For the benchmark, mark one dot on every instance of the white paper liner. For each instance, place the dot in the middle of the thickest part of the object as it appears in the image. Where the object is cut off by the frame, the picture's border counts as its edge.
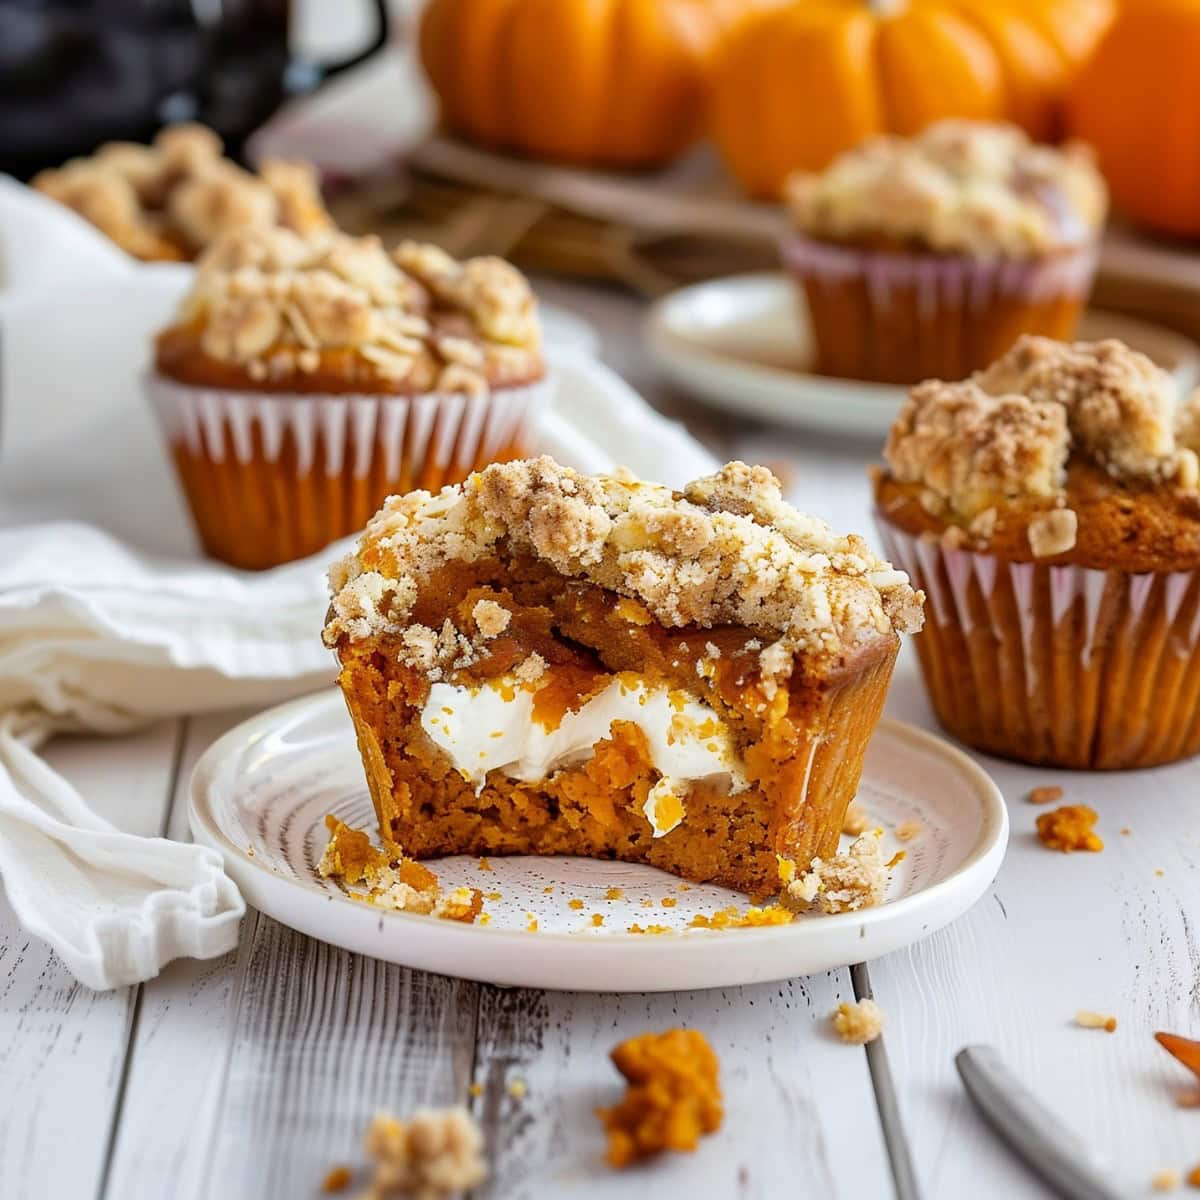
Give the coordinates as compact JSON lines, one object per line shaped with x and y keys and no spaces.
{"x":440,"y":429}
{"x":944,"y":280}
{"x":1136,"y":636}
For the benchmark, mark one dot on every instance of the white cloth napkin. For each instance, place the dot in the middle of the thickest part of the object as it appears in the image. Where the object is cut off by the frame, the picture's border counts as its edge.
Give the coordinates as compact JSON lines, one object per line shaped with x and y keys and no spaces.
{"x":109,"y":617}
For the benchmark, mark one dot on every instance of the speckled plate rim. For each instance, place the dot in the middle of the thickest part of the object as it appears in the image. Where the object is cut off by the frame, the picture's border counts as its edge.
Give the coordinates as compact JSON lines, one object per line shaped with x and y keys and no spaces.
{"x":619,"y":961}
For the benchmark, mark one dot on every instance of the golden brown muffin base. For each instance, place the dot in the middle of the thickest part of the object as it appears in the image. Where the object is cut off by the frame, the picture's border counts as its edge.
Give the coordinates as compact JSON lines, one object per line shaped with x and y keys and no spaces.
{"x":915,"y":331}
{"x":804,"y":766}
{"x":1032,"y":669}
{"x":261,"y":513}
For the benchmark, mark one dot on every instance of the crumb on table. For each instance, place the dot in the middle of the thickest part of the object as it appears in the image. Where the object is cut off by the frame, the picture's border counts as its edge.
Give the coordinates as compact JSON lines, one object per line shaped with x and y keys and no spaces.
{"x":1069,"y":828}
{"x":435,"y":1153}
{"x":1045,"y":795}
{"x":337,"y":1180}
{"x":672,"y":1099}
{"x":1165,"y":1181}
{"x":858,"y":1023}
{"x":1086,"y":1019}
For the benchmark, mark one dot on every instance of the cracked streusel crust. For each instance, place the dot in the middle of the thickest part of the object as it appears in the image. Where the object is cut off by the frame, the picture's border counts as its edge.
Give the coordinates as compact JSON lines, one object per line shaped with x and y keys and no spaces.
{"x":333,"y":314}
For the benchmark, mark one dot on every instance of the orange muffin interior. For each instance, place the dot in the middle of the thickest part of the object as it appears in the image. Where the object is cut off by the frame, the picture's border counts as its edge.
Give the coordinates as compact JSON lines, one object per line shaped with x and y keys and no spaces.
{"x":779,"y":730}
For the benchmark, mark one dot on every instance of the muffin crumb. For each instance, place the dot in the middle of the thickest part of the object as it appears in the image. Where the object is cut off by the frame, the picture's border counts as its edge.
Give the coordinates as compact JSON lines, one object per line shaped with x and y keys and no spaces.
{"x":337,"y":1179}
{"x":673,"y":1096}
{"x":1166,"y":1181}
{"x":435,"y":1153}
{"x":858,"y":1023}
{"x":856,"y":822}
{"x":1086,"y":1019}
{"x":906,"y":831}
{"x":1047,"y":794}
{"x":847,"y":882}
{"x":1069,"y":828}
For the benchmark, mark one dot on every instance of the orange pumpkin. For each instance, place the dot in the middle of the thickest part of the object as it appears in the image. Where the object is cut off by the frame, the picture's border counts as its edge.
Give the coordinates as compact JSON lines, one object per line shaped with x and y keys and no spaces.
{"x":798,"y":85}
{"x":620,"y":83}
{"x":1138,"y":102}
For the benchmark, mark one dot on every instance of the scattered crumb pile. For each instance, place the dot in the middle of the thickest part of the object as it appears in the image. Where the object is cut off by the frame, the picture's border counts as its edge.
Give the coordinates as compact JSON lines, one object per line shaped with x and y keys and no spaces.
{"x":673,"y":1096}
{"x":389,"y":879}
{"x":1069,"y":828}
{"x":434,"y":1154}
{"x":858,"y":1023}
{"x":1045,"y":795}
{"x":752,"y":918}
{"x":847,"y":882}
{"x":1086,"y":1019}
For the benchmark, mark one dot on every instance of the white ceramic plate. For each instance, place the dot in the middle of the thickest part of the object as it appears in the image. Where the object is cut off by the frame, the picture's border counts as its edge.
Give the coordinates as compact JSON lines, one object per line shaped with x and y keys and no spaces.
{"x":260,"y":794}
{"x":744,"y":344}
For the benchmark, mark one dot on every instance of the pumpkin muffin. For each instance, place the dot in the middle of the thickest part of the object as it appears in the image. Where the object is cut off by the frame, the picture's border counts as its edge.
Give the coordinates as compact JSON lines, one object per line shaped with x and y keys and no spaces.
{"x":929,"y":256}
{"x":306,"y":379}
{"x":1049,"y":507}
{"x":541,"y":662}
{"x":170,"y":200}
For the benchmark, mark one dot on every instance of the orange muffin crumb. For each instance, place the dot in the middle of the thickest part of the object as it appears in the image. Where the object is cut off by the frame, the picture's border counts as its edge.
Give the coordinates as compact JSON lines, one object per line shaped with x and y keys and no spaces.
{"x":752,"y":918}
{"x":1069,"y":828}
{"x":1165,"y":1181}
{"x":1193,"y":1177}
{"x":614,"y":893}
{"x":636,"y":928}
{"x":575,"y":903}
{"x":1045,"y":795}
{"x":389,"y":880}
{"x":1094,"y":1020}
{"x":597,"y":919}
{"x":673,"y":1098}
{"x":337,"y":1180}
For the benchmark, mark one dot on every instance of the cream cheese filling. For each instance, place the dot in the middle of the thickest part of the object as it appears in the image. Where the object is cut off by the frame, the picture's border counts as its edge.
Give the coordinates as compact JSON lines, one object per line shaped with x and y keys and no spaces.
{"x":490,"y":727}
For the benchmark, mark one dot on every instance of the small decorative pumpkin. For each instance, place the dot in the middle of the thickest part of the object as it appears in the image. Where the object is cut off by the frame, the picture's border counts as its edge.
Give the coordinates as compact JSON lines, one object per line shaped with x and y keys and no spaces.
{"x":617,"y":83}
{"x":1138,"y":102}
{"x":796,"y":86}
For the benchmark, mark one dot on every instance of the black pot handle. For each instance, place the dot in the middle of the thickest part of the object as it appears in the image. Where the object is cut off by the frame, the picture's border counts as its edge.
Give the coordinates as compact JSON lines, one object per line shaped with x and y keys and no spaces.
{"x":328,"y":70}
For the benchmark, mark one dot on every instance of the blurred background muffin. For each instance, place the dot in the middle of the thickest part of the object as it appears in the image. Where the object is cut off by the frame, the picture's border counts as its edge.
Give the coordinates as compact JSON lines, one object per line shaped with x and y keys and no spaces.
{"x":1049,"y":508}
{"x":306,"y":379}
{"x":171,"y":199}
{"x":929,"y":256}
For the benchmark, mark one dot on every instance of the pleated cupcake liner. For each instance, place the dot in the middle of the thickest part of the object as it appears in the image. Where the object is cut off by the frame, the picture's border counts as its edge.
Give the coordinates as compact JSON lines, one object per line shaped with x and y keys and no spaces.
{"x":273,"y":477}
{"x":899,"y":317}
{"x":1057,"y":665}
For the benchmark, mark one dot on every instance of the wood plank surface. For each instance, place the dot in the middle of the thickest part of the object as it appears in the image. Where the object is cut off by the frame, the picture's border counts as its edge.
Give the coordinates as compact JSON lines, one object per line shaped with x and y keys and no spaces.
{"x":62,"y":1046}
{"x":800,"y":1111}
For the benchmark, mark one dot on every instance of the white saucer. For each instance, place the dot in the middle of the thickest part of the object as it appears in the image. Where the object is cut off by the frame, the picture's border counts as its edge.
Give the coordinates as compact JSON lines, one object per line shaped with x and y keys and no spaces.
{"x":260,"y":794}
{"x":743,"y":344}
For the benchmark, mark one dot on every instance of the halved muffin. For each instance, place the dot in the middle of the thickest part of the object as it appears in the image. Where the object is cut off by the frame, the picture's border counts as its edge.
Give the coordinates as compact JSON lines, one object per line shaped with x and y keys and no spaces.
{"x":541,"y":662}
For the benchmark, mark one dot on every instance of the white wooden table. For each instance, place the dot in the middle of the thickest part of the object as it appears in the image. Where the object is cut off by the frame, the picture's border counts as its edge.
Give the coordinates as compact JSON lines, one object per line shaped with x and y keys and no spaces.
{"x":252,"y":1075}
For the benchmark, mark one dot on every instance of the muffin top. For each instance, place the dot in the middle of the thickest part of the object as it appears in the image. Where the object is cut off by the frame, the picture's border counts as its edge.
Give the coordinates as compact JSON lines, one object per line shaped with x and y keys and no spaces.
{"x":272,"y":311}
{"x":171,"y":199}
{"x":727,"y":550}
{"x":959,"y":186}
{"x":1071,"y":452}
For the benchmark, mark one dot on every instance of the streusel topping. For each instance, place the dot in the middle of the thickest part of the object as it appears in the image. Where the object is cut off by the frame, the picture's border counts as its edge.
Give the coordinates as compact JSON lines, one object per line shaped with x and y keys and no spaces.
{"x":727,"y":550}
{"x":171,"y":199}
{"x":274,"y":302}
{"x":958,"y":186}
{"x":1009,"y":431}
